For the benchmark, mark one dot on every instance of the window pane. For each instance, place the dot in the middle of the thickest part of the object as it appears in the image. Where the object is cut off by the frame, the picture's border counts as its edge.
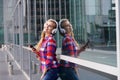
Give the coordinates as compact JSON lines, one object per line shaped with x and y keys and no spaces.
{"x":95,"y":20}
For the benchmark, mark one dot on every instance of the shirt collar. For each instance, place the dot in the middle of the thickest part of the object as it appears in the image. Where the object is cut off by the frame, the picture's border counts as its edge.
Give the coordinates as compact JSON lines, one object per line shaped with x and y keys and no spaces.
{"x":66,"y":35}
{"x":48,"y":36}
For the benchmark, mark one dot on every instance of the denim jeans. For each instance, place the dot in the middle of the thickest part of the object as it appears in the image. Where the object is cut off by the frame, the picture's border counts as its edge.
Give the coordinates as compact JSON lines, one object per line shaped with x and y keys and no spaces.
{"x":51,"y":74}
{"x":67,"y":74}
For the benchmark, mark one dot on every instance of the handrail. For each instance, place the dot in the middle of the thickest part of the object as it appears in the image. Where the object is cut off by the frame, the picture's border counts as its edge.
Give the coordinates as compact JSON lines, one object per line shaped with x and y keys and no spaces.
{"x":85,"y":63}
{"x":92,"y":65}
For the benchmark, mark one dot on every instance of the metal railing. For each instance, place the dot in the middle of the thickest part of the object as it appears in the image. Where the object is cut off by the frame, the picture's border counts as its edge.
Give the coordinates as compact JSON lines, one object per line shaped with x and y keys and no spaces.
{"x":25,"y":60}
{"x":29,"y":65}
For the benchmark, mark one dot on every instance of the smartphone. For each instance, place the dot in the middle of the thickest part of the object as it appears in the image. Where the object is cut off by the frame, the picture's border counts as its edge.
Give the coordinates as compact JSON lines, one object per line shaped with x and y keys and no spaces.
{"x":37,"y":53}
{"x":31,"y":46}
{"x":86,"y":44}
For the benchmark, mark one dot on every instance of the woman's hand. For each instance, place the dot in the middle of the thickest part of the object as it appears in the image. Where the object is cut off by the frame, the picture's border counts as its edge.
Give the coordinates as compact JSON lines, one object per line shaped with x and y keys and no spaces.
{"x":81,"y":49}
{"x":35,"y":51}
{"x":43,"y":74}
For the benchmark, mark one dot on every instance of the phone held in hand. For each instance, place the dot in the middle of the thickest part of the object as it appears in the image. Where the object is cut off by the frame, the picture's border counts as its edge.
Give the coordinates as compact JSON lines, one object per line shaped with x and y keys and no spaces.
{"x":31,"y":46}
{"x":86,"y":44}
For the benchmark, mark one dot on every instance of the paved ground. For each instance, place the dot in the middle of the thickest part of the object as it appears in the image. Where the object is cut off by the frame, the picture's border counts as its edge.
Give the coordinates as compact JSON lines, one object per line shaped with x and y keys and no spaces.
{"x":4,"y":74}
{"x":17,"y":74}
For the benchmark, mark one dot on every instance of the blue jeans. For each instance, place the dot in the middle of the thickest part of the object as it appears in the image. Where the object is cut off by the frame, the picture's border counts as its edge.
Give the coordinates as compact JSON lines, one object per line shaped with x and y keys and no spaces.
{"x":51,"y":74}
{"x":67,"y":74}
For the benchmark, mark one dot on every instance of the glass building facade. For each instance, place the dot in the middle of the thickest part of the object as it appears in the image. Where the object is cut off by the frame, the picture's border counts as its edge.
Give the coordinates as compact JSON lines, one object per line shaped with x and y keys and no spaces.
{"x":91,"y":19}
{"x":1,"y":24}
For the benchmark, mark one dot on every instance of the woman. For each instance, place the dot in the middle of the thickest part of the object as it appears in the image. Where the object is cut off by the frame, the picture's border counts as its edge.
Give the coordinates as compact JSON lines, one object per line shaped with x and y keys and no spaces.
{"x":45,"y":50}
{"x":69,"y":47}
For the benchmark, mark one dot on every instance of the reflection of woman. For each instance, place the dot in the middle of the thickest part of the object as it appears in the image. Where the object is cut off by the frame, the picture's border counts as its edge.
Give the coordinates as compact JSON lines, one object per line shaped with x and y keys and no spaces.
{"x":46,"y":49}
{"x":69,"y":47}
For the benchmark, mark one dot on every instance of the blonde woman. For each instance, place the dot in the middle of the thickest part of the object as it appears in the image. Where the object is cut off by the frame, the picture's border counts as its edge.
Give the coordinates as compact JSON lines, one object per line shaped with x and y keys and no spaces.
{"x":46,"y":49}
{"x":69,"y":47}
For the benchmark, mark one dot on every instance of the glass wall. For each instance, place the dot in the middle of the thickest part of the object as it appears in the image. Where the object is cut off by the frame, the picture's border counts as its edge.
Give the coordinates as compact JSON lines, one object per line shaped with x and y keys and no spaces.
{"x":1,"y":23}
{"x":91,"y":19}
{"x":95,"y":20}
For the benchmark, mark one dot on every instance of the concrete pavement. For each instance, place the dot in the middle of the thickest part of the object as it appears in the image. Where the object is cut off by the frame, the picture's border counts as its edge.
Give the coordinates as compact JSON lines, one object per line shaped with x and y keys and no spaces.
{"x":4,"y":73}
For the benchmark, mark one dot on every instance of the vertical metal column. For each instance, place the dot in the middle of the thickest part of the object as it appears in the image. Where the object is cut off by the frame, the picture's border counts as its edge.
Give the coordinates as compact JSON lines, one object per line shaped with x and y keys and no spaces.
{"x":60,"y":9}
{"x":13,"y":27}
{"x":54,"y":10}
{"x":28,"y":20}
{"x":46,"y":10}
{"x":24,"y":8}
{"x":35,"y":19}
{"x":58,"y":36}
{"x":50,"y":9}
{"x":65,"y":8}
{"x":70,"y":10}
{"x":75,"y":15}
{"x":30,"y":67}
{"x":16,"y":22}
{"x":20,"y":32}
{"x":117,"y":3}
{"x":40,"y":3}
{"x":5,"y":21}
{"x":84,"y":30}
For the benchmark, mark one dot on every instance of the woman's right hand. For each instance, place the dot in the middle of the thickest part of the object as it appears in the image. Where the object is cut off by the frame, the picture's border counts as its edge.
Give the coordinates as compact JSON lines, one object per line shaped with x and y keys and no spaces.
{"x":81,"y":49}
{"x":35,"y":51}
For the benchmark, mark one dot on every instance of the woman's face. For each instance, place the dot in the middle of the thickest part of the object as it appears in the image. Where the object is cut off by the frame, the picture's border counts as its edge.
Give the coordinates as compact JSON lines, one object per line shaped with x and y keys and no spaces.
{"x":48,"y":27}
{"x":67,"y":26}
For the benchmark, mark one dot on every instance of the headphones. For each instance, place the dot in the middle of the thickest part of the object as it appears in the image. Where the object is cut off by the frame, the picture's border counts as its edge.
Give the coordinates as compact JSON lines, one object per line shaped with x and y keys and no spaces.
{"x":62,"y":30}
{"x":54,"y":30}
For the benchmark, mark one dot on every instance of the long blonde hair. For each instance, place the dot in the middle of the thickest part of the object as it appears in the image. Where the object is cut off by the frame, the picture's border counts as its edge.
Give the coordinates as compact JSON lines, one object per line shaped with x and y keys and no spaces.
{"x":43,"y":35}
{"x":40,"y":41}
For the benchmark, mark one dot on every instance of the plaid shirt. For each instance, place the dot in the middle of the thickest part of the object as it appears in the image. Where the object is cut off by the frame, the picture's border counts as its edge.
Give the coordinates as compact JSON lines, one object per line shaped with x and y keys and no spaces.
{"x":47,"y":53}
{"x":69,"y":48}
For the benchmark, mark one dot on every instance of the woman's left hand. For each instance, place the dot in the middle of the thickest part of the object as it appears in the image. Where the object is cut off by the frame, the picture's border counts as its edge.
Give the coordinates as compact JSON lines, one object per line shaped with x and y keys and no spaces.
{"x":81,"y":49}
{"x":43,"y":74}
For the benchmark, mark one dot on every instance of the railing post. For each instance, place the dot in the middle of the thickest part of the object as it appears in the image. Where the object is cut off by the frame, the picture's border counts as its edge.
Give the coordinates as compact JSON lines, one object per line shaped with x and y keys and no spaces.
{"x":37,"y":68}
{"x":10,"y":68}
{"x":30,"y":66}
{"x":34,"y":67}
{"x":7,"y":58}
